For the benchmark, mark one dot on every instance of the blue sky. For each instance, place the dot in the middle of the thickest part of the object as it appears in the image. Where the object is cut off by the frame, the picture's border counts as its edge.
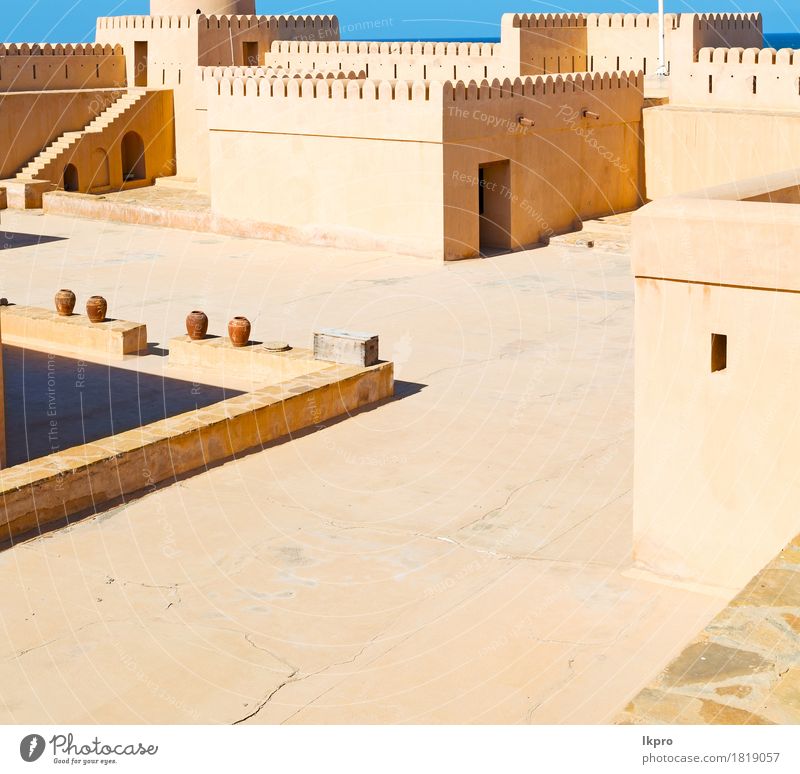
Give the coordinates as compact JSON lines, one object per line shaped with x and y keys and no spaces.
{"x":73,"y":20}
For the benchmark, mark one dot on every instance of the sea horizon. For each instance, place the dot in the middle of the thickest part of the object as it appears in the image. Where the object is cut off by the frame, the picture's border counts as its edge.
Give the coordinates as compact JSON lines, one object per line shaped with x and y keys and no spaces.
{"x":771,"y":39}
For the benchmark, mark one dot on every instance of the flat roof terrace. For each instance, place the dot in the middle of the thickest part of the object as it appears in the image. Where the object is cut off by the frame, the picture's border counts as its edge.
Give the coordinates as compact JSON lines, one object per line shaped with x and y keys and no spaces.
{"x":460,"y":554}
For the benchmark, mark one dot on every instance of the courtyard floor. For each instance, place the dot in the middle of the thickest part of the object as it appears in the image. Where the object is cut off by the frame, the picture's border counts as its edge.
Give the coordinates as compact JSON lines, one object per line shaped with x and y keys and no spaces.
{"x":458,"y":554}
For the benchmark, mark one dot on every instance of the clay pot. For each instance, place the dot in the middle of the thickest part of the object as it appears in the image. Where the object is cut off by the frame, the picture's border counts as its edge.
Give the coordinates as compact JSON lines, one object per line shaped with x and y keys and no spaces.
{"x":239,"y":331}
{"x":65,"y":302}
{"x":96,"y":308}
{"x":196,"y":325}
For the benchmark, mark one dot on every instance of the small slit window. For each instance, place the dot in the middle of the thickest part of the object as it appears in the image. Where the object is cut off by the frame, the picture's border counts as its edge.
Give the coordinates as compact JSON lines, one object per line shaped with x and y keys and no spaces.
{"x":719,"y":352}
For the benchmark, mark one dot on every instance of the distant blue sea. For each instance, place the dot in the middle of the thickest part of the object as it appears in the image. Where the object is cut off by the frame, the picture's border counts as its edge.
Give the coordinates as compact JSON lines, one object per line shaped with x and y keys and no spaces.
{"x":782,"y":39}
{"x":771,"y":40}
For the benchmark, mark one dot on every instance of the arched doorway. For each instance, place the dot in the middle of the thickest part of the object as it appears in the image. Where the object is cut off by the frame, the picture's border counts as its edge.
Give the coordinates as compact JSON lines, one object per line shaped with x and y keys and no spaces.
{"x":100,"y":176}
{"x":133,"y":162}
{"x":71,"y":182}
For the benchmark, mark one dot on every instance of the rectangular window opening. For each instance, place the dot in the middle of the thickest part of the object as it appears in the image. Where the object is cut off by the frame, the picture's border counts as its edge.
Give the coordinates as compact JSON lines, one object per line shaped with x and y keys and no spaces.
{"x":719,"y":352}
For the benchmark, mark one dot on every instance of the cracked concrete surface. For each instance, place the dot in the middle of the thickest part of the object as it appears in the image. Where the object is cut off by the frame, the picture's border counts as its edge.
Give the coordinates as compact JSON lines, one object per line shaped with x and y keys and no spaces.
{"x":456,"y":555}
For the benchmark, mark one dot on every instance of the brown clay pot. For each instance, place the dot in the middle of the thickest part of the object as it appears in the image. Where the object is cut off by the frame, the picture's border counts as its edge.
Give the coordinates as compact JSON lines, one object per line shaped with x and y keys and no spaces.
{"x":96,"y":308}
{"x":196,"y":325}
{"x":65,"y":302}
{"x":239,"y":331}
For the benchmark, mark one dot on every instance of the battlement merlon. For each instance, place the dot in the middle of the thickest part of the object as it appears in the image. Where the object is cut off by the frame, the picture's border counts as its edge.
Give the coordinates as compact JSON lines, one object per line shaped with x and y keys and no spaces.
{"x":287,"y":27}
{"x":429,"y":111}
{"x":533,"y":42}
{"x":59,"y":49}
{"x":752,"y":78}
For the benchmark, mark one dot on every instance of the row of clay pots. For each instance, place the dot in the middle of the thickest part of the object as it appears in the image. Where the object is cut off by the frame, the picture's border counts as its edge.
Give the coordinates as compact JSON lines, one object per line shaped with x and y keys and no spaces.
{"x":96,"y":306}
{"x":238,"y":328}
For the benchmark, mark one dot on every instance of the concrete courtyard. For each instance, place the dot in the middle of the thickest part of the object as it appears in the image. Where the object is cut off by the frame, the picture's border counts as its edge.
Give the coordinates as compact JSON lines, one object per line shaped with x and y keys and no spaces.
{"x":460,"y":554}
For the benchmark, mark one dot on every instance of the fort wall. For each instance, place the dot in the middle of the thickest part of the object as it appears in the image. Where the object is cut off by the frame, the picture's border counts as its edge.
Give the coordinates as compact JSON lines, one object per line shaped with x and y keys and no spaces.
{"x":30,"y":121}
{"x":559,"y":43}
{"x":719,"y":417}
{"x":397,"y":60}
{"x":536,"y":44}
{"x":98,"y":156}
{"x":46,"y":67}
{"x":719,"y":104}
{"x":740,"y":77}
{"x":171,"y":47}
{"x":418,"y":148}
{"x":579,"y":160}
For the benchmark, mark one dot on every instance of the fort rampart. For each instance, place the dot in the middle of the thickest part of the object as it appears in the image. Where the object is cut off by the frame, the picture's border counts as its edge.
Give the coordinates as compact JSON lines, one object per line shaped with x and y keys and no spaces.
{"x":418,"y":144}
{"x":46,"y":67}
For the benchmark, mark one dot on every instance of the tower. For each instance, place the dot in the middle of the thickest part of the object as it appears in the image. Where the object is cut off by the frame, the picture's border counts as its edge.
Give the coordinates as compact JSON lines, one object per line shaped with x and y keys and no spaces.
{"x":208,"y":7}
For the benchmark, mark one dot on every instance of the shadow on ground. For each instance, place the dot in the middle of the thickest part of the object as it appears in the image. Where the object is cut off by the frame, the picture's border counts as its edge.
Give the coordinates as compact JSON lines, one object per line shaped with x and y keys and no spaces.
{"x":10,"y":240}
{"x":54,"y":403}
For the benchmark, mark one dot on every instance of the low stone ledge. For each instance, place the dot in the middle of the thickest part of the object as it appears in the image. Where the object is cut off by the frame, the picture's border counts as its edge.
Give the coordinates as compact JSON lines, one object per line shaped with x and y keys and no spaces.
{"x":25,"y":194}
{"x":83,"y":478}
{"x":36,"y":328}
{"x":253,"y":362}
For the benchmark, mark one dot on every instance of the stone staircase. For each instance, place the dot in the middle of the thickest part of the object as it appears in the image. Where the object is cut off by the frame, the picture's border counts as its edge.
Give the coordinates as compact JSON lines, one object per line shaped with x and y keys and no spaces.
{"x":35,"y":168}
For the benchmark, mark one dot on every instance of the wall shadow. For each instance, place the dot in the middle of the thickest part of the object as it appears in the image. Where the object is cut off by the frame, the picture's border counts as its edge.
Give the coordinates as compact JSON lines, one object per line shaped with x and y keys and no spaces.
{"x":54,"y":403}
{"x":9,"y":240}
{"x":108,"y":508}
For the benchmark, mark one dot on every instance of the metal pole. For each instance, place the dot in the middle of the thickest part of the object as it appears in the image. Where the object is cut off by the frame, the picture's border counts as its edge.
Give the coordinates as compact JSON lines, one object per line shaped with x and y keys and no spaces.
{"x":662,"y":59}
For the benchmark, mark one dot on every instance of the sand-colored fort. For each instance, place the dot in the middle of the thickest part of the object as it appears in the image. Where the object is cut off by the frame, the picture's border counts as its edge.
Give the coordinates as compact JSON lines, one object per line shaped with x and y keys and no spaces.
{"x":379,"y":169}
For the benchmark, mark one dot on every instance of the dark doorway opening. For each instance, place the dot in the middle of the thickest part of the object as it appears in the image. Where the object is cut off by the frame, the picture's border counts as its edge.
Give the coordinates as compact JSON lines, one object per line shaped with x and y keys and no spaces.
{"x":494,"y":207}
{"x":133,"y":161}
{"x":71,"y":182}
{"x":140,"y":63}
{"x":250,"y":54}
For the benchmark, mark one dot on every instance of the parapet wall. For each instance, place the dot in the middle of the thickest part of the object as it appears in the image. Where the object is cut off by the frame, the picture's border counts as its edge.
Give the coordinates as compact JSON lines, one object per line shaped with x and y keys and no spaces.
{"x":548,"y":43}
{"x":740,"y":78}
{"x":717,"y":349}
{"x":343,"y":106}
{"x":42,"y":67}
{"x":393,"y":60}
{"x":535,"y":44}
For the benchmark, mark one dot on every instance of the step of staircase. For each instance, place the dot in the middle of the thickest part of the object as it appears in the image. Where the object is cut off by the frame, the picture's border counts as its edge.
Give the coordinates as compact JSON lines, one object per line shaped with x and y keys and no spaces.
{"x":67,"y":140}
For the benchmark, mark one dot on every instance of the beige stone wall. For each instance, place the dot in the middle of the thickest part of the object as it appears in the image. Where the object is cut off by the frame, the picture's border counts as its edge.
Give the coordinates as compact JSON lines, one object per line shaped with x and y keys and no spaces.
{"x":559,"y":43}
{"x":630,"y":41}
{"x":564,"y":169}
{"x":29,"y":121}
{"x":748,"y":78}
{"x":43,"y":67}
{"x":98,"y":156}
{"x":303,"y":155}
{"x":178,"y":44}
{"x":389,"y":61}
{"x":716,"y":477}
{"x":400,"y":162}
{"x":722,"y":146}
{"x":536,"y":44}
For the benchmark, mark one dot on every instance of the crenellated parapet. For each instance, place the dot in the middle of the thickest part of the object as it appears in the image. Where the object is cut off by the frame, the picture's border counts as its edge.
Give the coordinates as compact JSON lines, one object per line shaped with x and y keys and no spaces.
{"x":385,"y":48}
{"x":291,"y":26}
{"x":631,"y":21}
{"x":146,"y":22}
{"x":59,"y":49}
{"x":47,"y":67}
{"x":393,"y":60}
{"x":544,"y":20}
{"x":760,"y":78}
